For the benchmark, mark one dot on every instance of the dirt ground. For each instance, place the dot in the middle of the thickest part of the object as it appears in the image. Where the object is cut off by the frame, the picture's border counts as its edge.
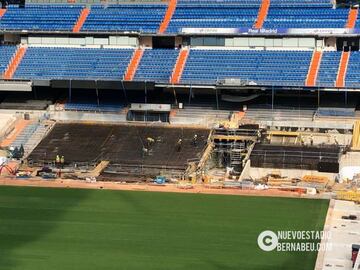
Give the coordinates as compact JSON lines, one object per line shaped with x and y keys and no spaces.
{"x":144,"y":187}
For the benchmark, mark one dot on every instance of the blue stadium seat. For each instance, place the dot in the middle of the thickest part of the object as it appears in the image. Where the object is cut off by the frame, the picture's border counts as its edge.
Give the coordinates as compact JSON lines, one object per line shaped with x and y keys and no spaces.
{"x":244,"y":3}
{"x":203,"y":66}
{"x":260,"y":67}
{"x":6,"y":52}
{"x":281,"y":3}
{"x":41,"y":17}
{"x":156,"y":65}
{"x":73,"y":63}
{"x":144,"y":18}
{"x":93,"y":107}
{"x":301,"y":3}
{"x":328,"y":69}
{"x":212,"y":16}
{"x":353,"y":70}
{"x":306,"y":17}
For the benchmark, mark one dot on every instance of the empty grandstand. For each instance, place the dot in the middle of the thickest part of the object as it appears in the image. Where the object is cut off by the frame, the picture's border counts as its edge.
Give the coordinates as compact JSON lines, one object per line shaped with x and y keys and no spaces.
{"x":222,"y":96}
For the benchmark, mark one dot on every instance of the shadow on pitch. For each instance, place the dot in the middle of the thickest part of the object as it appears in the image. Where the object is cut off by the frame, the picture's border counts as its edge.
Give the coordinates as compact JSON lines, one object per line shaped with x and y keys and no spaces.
{"x":28,"y":214}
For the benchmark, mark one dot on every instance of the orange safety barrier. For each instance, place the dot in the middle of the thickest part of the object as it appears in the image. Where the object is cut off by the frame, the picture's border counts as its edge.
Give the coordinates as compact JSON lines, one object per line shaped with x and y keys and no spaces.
{"x":313,"y":69}
{"x":179,"y":66}
{"x":353,"y":14}
{"x":167,"y":17}
{"x":81,"y":20}
{"x":133,"y":65}
{"x":340,"y":79}
{"x":263,"y":12}
{"x":14,"y":63}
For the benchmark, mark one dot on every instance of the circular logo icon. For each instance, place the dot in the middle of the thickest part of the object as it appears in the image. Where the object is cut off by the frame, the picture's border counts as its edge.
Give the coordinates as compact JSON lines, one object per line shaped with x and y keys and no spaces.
{"x":267,"y":240}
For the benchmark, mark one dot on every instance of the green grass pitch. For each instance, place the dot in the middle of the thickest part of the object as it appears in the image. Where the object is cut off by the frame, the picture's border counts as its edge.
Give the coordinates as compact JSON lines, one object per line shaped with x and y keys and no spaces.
{"x":60,"y":229}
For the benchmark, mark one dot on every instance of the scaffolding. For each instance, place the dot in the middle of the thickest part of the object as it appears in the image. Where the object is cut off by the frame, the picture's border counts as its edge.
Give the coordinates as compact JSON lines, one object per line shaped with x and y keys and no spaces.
{"x":231,"y":154}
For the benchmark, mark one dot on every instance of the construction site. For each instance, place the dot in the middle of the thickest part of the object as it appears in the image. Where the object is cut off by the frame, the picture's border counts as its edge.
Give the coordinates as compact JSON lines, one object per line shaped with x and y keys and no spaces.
{"x":254,"y":98}
{"x":235,"y":150}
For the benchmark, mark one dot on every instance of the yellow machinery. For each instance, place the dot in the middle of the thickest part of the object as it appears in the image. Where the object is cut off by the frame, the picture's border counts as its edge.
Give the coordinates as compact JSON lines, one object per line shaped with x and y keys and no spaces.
{"x":356,"y":136}
{"x":349,"y":196}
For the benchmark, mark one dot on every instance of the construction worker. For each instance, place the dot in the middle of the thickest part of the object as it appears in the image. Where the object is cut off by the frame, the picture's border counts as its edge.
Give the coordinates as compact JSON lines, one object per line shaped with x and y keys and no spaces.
{"x":145,"y":151}
{"x":311,"y":140}
{"x":195,"y":139}
{"x":150,"y":141}
{"x":62,"y":161}
{"x":302,"y":141}
{"x":21,"y":151}
{"x":178,"y":145}
{"x":57,"y":160}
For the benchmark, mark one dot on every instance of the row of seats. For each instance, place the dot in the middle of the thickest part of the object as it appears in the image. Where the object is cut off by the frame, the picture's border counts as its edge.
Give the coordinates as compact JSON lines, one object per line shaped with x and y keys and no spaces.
{"x":270,"y":67}
{"x":120,"y":18}
{"x":73,"y":63}
{"x":6,"y":52}
{"x":146,"y":18}
{"x":301,"y":3}
{"x":156,"y":65}
{"x":328,"y":68}
{"x":306,"y":17}
{"x":93,"y":107}
{"x":260,"y":67}
{"x":285,"y":3}
{"x":353,"y":71}
{"x":40,"y":18}
{"x":212,"y":16}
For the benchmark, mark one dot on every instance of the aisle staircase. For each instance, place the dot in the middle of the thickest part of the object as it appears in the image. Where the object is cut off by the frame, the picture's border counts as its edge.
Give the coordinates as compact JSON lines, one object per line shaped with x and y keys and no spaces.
{"x":179,"y":66}
{"x":344,"y":61}
{"x":81,"y":20}
{"x":313,"y":69}
{"x":263,"y":12}
{"x":352,"y":18}
{"x":133,"y":65}
{"x":168,"y":16}
{"x":14,"y":62}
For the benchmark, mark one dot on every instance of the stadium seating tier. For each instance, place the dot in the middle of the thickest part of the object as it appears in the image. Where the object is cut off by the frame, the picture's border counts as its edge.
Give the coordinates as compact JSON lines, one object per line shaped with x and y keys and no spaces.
{"x":156,"y":65}
{"x":147,"y":18}
{"x":6,"y":52}
{"x":40,"y":18}
{"x":73,"y":63}
{"x":257,"y":67}
{"x":203,"y":66}
{"x":121,"y":18}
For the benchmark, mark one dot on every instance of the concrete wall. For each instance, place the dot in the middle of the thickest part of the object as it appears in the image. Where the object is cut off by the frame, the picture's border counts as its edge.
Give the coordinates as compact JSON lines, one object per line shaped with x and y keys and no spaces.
{"x":87,"y":117}
{"x":261,"y":42}
{"x":82,"y":41}
{"x":256,"y":173}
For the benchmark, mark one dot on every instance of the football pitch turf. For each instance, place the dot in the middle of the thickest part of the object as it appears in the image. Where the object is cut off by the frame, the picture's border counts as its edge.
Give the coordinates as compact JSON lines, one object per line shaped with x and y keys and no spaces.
{"x":60,"y":229}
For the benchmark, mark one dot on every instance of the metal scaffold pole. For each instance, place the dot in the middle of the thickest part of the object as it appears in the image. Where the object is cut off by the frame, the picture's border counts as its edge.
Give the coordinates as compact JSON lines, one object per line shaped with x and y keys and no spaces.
{"x":124,"y":91}
{"x":70,"y":91}
{"x":190,"y":94}
{"x":217,"y":99}
{"x":97,"y":93}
